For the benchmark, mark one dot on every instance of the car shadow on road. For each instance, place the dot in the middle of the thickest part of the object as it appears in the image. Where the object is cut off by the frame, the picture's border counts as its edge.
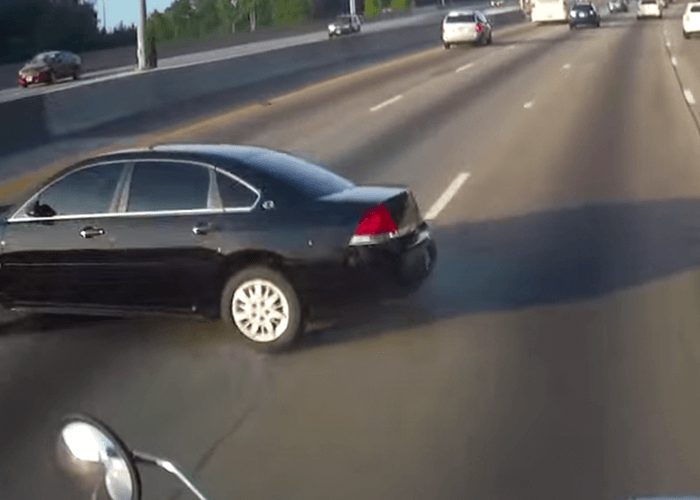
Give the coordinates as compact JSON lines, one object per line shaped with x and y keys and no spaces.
{"x":542,"y":258}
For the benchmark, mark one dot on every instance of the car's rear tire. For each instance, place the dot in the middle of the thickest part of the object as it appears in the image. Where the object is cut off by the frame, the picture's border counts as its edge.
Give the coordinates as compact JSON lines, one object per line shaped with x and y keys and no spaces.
{"x":76,"y":74}
{"x":261,"y":305}
{"x":489,"y":40}
{"x":686,"y":35}
{"x":446,"y":45}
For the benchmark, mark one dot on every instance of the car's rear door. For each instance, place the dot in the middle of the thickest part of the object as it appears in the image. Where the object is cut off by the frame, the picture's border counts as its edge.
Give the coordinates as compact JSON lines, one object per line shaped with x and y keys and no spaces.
{"x":166,"y":236}
{"x":56,"y":255}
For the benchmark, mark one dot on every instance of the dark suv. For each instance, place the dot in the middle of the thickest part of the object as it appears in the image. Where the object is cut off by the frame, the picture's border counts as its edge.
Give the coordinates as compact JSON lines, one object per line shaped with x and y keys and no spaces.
{"x":584,"y":14}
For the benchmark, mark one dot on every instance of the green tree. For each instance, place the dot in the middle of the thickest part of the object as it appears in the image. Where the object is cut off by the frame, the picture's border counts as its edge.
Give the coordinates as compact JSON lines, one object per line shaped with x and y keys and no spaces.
{"x":290,"y":11}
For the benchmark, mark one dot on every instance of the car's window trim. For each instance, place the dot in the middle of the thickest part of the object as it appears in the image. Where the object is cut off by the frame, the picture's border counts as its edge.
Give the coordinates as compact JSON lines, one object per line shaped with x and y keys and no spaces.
{"x":170,"y":160}
{"x":23,"y":216}
{"x":235,"y":178}
{"x":129,"y":165}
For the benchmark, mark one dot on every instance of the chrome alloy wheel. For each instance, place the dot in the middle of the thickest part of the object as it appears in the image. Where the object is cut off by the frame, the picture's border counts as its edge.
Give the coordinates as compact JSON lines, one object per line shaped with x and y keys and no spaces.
{"x":260,"y":310}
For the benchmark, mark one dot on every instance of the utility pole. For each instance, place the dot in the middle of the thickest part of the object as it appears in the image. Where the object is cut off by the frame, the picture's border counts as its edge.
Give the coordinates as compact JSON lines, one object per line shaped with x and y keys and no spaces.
{"x":141,"y":36}
{"x":353,"y":9}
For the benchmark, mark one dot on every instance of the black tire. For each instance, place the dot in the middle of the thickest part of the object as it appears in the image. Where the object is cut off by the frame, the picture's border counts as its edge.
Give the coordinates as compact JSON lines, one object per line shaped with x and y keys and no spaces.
{"x":447,"y":46}
{"x":76,"y":74}
{"x":686,"y":35}
{"x":597,"y":25}
{"x":296,"y":317}
{"x":489,"y":41}
{"x":52,"y":78}
{"x":571,"y":27}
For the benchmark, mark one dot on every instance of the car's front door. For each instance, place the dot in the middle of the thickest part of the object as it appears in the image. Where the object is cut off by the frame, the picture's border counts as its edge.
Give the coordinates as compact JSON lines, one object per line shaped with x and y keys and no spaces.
{"x":55,"y":244}
{"x":165,"y":238}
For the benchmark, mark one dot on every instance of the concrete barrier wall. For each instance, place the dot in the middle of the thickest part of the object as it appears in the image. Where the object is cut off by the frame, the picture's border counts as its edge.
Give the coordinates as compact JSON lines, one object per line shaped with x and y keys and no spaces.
{"x":39,"y":119}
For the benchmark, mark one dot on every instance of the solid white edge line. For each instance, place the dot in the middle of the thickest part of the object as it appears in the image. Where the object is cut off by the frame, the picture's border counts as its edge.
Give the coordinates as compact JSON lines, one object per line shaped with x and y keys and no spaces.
{"x":447,"y":196}
{"x":689,"y":96}
{"x":674,"y":61}
{"x":464,"y":68}
{"x":386,"y":103}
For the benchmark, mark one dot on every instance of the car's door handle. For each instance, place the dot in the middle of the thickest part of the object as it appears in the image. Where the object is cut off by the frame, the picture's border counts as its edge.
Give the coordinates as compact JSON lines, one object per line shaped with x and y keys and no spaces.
{"x":91,"y":232}
{"x":202,"y":228}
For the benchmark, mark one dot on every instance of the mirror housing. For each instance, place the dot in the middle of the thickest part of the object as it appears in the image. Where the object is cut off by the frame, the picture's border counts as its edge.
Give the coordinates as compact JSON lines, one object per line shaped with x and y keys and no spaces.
{"x":91,"y":443}
{"x":37,"y":209}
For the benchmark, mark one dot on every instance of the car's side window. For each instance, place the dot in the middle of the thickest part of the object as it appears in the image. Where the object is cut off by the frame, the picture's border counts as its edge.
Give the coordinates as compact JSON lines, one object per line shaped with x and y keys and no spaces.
{"x":234,"y":194}
{"x":158,"y":186}
{"x":87,"y":191}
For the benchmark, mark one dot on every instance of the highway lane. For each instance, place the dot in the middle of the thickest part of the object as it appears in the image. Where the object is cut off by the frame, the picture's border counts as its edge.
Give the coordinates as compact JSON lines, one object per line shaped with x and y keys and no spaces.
{"x":554,"y":354}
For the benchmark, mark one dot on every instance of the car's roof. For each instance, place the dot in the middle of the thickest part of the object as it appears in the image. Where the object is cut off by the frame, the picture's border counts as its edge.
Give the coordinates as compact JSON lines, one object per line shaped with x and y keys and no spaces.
{"x":583,"y":4}
{"x":246,"y":161}
{"x":456,"y":13}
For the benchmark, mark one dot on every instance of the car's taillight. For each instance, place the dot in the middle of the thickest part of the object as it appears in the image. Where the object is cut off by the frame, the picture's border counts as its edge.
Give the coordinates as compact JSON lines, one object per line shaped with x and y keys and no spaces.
{"x":479,"y":27}
{"x":375,"y":226}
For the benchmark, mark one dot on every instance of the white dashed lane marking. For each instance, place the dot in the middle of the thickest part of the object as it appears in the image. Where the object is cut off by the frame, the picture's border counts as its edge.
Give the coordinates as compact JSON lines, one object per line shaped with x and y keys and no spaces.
{"x":464,"y":68}
{"x":386,"y":103}
{"x":447,"y":196}
{"x":689,"y":96}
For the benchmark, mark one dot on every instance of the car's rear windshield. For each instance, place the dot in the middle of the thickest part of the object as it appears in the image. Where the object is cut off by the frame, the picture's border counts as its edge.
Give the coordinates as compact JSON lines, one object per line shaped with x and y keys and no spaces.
{"x":40,"y":58}
{"x":460,"y":18}
{"x":582,"y":7}
{"x":648,"y":2}
{"x":301,"y":175}
{"x":695,"y":8}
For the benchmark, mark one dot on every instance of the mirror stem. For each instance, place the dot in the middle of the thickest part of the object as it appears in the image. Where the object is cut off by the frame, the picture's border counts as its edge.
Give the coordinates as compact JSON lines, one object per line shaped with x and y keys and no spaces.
{"x":170,"y":467}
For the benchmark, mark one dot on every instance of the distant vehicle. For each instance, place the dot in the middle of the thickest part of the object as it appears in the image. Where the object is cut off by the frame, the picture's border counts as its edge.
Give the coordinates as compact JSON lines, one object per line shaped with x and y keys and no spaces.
{"x":48,"y":67}
{"x":252,"y":236}
{"x":649,"y":8}
{"x":691,"y":20}
{"x":543,"y":11}
{"x":466,"y":27}
{"x":344,"y":25}
{"x":618,"y":6}
{"x":584,"y":14}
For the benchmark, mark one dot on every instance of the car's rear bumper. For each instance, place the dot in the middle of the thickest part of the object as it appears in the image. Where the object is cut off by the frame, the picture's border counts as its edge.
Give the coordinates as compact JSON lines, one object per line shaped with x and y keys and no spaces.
{"x":587,"y":21}
{"x":389,"y":269}
{"x":691,"y":28}
{"x":461,"y":38}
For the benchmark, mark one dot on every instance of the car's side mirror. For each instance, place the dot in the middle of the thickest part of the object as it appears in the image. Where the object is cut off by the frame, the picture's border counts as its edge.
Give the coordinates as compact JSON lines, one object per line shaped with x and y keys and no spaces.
{"x":37,"y":209}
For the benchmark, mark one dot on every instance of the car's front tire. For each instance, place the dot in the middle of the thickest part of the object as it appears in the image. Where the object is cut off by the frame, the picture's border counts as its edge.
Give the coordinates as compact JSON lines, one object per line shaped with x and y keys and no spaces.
{"x":446,"y":45}
{"x":261,"y":304}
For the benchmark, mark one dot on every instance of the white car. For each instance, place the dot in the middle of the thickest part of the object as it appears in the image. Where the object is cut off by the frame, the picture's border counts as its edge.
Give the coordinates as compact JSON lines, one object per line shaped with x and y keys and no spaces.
{"x":649,"y":8}
{"x":691,"y":19}
{"x":466,"y":27}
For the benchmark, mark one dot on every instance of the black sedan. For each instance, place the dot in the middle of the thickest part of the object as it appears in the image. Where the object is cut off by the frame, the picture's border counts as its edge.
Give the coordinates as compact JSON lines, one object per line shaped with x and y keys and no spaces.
{"x":250,"y":235}
{"x":584,"y":14}
{"x":48,"y":67}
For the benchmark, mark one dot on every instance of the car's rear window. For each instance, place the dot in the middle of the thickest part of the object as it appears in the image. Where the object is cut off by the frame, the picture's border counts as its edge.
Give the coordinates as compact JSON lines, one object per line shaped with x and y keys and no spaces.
{"x":300,"y":175}
{"x":648,"y":2}
{"x":461,"y":18}
{"x":585,"y":7}
{"x":695,"y":8}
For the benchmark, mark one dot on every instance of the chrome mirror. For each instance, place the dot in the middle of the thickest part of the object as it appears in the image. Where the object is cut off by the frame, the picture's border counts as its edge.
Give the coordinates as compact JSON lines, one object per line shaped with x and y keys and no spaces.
{"x":90,"y":443}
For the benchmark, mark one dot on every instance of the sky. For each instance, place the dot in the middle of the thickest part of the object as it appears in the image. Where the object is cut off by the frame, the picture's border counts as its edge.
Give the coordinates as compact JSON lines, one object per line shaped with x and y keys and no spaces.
{"x":126,"y":11}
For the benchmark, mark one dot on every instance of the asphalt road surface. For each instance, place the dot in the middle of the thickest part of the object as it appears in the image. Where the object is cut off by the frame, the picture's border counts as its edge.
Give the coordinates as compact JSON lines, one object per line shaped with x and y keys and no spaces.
{"x":554,"y":354}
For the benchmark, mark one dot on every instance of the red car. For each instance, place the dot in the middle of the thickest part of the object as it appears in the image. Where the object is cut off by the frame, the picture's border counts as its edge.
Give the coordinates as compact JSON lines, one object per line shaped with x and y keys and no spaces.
{"x":48,"y":67}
